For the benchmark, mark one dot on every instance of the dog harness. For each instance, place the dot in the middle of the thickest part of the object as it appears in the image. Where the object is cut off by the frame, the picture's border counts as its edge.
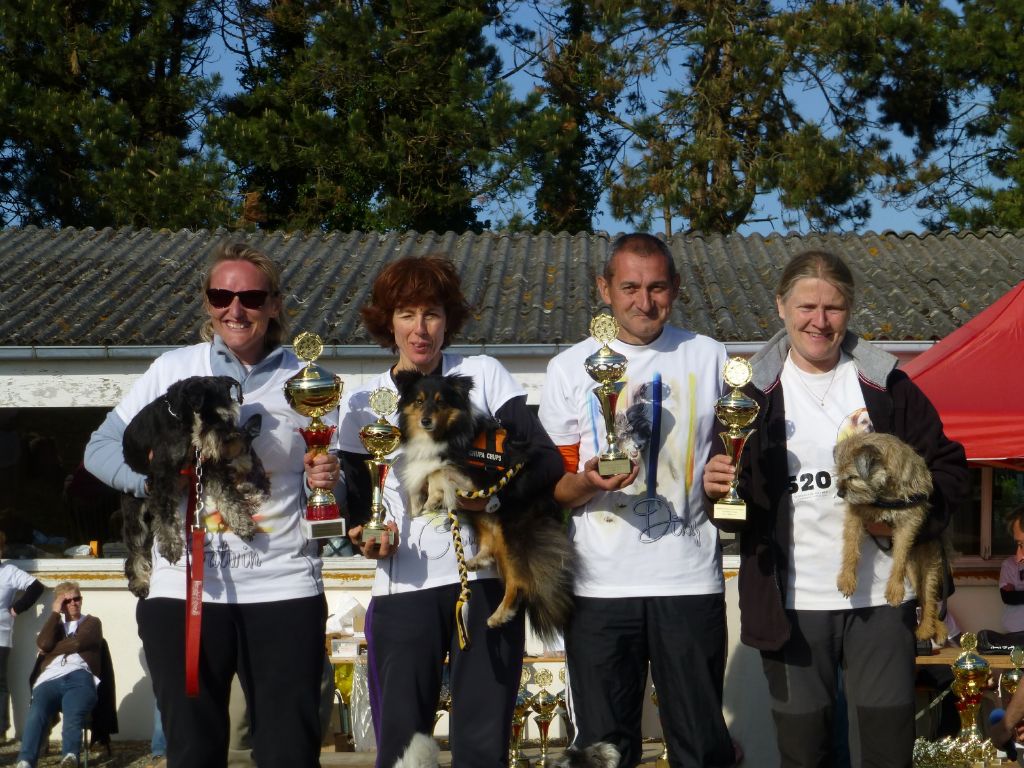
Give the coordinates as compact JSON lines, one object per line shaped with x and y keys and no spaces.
{"x":487,"y":452}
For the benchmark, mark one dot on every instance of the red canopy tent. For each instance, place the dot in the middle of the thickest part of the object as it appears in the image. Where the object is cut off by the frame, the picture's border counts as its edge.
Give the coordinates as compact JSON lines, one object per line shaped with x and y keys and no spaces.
{"x":972,"y":377}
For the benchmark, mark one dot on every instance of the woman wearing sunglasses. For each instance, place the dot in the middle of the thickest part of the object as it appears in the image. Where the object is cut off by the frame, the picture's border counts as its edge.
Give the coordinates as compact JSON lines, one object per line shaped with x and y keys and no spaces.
{"x":263,"y":606}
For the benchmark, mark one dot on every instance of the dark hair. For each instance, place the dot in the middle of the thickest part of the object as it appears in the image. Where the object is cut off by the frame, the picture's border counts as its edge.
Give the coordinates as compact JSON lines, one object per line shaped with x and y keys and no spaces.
{"x":641,"y":244}
{"x":817,"y":264}
{"x":1017,"y":516}
{"x":278,"y":326}
{"x":414,"y":281}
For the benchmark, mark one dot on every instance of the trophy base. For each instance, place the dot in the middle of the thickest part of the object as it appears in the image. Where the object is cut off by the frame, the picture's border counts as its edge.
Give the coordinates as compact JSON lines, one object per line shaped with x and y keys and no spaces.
{"x":322,"y":529}
{"x":375,"y":534}
{"x":606,"y":467}
{"x":729,"y":518}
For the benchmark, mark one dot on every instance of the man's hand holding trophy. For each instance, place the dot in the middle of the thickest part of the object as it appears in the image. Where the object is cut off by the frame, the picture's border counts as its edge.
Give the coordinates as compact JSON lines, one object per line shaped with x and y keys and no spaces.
{"x":606,"y":366}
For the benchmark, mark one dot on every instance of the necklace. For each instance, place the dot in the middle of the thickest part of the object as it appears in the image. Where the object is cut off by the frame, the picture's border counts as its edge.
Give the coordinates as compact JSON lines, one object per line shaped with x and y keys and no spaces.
{"x":802,"y":377}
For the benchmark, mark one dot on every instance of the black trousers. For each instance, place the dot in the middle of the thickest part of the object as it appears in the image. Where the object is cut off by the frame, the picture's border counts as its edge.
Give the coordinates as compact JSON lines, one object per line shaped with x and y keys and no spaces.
{"x":277,"y":649}
{"x":609,"y":645}
{"x":874,"y":648}
{"x":408,"y":636}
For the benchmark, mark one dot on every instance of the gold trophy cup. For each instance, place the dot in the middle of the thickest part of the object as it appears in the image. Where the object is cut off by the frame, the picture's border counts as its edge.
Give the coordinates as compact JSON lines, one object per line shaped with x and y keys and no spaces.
{"x":379,"y":438}
{"x":606,"y":367}
{"x":314,"y":392}
{"x":736,"y":412}
{"x":1009,"y":681}
{"x":520,"y":717}
{"x":544,"y":705}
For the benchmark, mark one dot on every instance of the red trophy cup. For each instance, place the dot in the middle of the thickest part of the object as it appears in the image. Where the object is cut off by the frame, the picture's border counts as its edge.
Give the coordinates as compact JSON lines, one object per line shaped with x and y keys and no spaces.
{"x":314,"y":392}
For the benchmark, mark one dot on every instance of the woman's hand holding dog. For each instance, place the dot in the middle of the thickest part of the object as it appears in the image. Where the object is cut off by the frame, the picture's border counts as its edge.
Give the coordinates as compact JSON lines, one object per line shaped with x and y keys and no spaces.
{"x":718,"y":475}
{"x":323,"y":470}
{"x":375,"y":550}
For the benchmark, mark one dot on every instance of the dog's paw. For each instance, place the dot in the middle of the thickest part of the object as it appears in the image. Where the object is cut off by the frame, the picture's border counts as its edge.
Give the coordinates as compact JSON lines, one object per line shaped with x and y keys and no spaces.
{"x":847,"y":584}
{"x":479,"y":562}
{"x":170,"y":550}
{"x":894,"y":593}
{"x":501,"y":616}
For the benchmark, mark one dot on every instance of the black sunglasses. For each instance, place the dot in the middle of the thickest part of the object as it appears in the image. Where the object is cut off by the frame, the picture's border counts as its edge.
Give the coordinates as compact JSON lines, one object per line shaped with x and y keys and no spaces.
{"x":73,"y":599}
{"x":221,"y":297}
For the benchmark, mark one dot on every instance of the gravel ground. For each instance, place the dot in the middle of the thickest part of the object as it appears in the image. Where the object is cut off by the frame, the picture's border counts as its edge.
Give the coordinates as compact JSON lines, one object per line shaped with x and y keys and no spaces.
{"x":124,"y":754}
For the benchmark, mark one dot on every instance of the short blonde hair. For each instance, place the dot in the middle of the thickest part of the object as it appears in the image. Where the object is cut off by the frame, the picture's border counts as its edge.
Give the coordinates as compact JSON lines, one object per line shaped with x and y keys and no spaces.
{"x":67,"y":586}
{"x":278,"y":326}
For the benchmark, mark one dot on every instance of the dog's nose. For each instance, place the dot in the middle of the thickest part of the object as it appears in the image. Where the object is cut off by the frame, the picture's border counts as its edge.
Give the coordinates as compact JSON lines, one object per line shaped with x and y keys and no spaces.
{"x":426,"y":422}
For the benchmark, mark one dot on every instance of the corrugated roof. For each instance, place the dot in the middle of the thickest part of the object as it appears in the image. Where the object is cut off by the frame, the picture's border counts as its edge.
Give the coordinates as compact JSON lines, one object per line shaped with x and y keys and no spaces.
{"x":125,"y":287}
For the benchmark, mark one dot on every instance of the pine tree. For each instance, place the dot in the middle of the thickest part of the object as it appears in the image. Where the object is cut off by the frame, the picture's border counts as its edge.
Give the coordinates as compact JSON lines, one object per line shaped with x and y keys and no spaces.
{"x":725,"y":127}
{"x":97,"y":104}
{"x":977,"y":179}
{"x":373,"y":115}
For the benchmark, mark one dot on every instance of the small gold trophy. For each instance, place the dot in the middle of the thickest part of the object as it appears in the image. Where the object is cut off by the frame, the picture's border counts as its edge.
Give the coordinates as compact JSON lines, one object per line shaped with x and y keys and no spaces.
{"x":736,"y":412}
{"x":379,"y":438}
{"x":544,"y":705}
{"x":314,"y":392}
{"x":520,"y":716}
{"x":1009,"y":681}
{"x":606,"y":367}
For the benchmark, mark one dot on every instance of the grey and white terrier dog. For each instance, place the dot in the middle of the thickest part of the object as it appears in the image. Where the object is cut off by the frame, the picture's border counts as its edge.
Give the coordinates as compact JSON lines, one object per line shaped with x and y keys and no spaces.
{"x":197,"y":414}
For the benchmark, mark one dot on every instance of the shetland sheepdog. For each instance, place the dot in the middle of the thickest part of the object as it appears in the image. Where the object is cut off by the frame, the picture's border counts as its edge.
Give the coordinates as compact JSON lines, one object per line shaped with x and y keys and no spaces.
{"x":525,"y":537}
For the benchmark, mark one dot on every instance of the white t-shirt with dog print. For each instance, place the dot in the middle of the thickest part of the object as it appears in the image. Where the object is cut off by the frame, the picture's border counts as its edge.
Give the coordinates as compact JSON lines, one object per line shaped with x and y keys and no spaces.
{"x":425,"y":556}
{"x":814,"y":529}
{"x":279,"y":563}
{"x":651,"y":538}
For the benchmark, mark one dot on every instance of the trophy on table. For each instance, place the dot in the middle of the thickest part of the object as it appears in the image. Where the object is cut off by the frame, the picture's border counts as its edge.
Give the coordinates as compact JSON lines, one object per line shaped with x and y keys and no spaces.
{"x":1009,"y":681}
{"x":969,"y":747}
{"x":544,"y":704}
{"x":736,"y":412}
{"x":379,"y":439}
{"x":314,"y":392}
{"x":520,"y":716}
{"x":606,"y":367}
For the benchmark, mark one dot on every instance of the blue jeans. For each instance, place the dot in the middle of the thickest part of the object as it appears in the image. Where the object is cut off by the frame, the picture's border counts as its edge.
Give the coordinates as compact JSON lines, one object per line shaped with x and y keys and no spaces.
{"x":158,"y":744}
{"x":74,"y":695}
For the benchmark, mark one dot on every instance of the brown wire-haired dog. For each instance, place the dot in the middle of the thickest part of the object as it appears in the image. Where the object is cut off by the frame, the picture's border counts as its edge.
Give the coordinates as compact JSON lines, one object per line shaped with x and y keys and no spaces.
{"x":884,"y":480}
{"x":525,"y":537}
{"x":199,"y":413}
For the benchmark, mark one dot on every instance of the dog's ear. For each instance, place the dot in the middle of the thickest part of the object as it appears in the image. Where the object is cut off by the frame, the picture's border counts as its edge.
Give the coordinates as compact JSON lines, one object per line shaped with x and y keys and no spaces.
{"x":232,"y":389}
{"x":405,"y":381}
{"x":866,"y":459}
{"x":252,"y":426}
{"x":178,"y":399}
{"x":462,"y":384}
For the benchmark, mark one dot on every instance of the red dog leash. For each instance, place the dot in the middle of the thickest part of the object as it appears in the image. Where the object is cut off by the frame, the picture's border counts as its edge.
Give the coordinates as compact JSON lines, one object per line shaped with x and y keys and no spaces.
{"x":193,"y":575}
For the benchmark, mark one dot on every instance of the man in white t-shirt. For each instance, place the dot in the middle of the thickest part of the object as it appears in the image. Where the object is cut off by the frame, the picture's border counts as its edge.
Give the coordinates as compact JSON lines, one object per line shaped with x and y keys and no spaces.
{"x":649,"y":590}
{"x":1011,"y":576}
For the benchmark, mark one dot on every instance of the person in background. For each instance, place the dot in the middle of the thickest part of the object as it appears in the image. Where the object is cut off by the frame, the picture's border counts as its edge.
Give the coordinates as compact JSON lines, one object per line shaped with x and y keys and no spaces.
{"x":18,"y":593}
{"x":816,"y":383}
{"x":1011,"y":576}
{"x":263,"y":610}
{"x":157,"y":742}
{"x":67,"y":673}
{"x":650,"y":591}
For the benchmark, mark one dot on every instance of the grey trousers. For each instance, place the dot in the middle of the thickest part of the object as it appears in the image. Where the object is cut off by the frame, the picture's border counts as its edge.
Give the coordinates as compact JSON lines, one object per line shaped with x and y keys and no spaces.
{"x":874,"y":650}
